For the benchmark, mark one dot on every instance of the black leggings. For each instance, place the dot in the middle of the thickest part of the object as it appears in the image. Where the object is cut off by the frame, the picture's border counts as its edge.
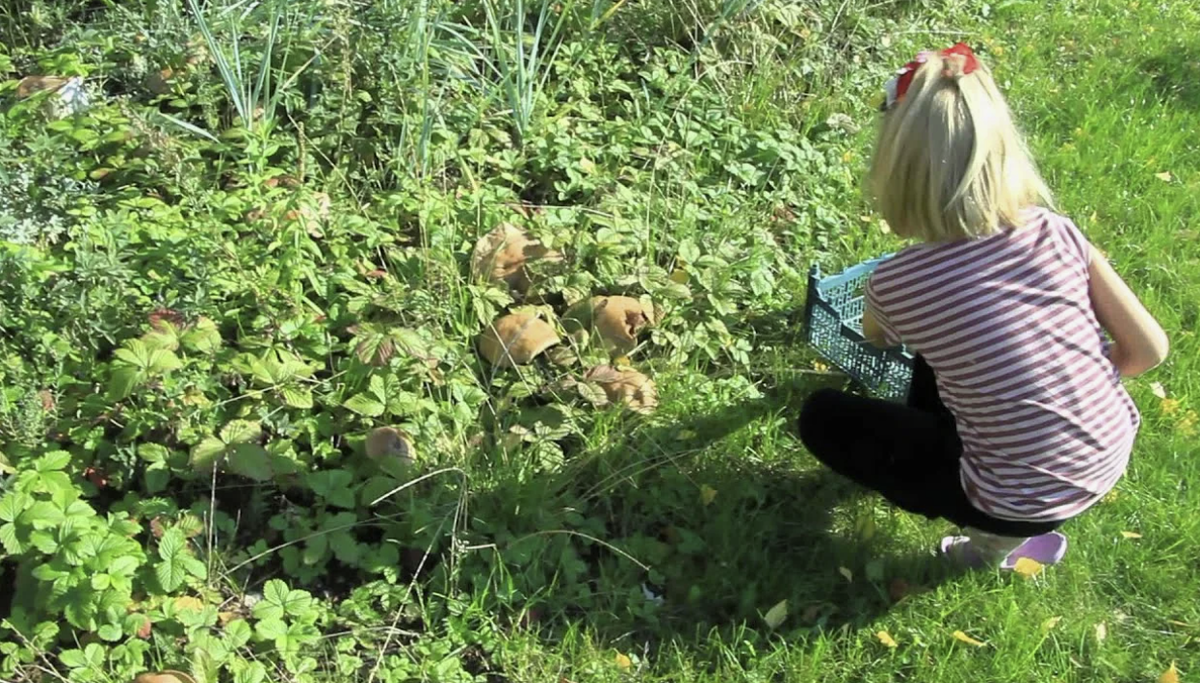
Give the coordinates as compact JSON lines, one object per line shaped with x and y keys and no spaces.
{"x":909,"y":453}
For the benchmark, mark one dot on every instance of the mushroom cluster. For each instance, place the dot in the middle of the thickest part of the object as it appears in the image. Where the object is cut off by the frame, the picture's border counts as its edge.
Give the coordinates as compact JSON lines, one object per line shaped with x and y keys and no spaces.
{"x":518,"y":337}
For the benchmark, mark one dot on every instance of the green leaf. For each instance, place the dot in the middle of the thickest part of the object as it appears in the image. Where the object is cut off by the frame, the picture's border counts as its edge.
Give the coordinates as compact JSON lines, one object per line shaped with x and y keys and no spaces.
{"x":156,"y":478}
{"x":134,"y":353}
{"x":207,"y":453}
{"x":237,"y":633}
{"x":171,"y":572}
{"x":53,"y":461}
{"x":334,"y":486}
{"x":123,"y":381}
{"x":364,"y":404}
{"x":253,"y":672}
{"x":271,"y":629}
{"x":203,"y":338}
{"x":194,"y":567}
{"x":9,"y":540}
{"x":73,"y":659}
{"x":42,"y":514}
{"x":297,"y":397}
{"x":110,"y":632}
{"x":12,"y":505}
{"x":251,"y":461}
{"x":153,"y":452}
{"x":241,"y":431}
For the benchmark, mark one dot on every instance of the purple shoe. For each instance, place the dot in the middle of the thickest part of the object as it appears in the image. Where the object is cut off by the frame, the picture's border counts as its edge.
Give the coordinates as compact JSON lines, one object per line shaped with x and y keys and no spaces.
{"x":1046,"y":549}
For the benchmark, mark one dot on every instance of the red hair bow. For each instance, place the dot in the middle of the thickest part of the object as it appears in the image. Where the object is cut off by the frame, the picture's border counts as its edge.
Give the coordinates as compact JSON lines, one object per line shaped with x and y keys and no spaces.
{"x":898,"y":86}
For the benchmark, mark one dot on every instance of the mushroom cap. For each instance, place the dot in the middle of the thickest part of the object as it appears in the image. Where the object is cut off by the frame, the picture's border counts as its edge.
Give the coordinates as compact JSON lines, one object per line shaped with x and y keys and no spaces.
{"x":616,"y":319}
{"x":164,"y":677}
{"x":625,"y":385}
{"x":516,"y":339}
{"x":390,"y":443}
{"x":502,"y":254}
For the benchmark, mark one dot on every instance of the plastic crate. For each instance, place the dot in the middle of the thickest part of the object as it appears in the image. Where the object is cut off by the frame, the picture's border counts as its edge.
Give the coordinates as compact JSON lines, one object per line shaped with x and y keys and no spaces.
{"x":833,"y":324}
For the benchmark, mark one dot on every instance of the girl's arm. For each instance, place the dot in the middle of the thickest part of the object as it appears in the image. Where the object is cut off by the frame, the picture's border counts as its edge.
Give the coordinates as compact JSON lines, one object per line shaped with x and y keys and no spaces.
{"x":1140,"y":344}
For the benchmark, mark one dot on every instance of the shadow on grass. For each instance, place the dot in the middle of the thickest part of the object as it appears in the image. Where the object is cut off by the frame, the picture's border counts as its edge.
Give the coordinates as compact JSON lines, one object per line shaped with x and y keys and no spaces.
{"x":727,"y":534}
{"x":1175,"y":75}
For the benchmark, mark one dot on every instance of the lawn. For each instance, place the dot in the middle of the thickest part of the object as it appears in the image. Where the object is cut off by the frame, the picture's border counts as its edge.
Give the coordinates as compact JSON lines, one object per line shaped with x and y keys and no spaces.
{"x":248,"y":431}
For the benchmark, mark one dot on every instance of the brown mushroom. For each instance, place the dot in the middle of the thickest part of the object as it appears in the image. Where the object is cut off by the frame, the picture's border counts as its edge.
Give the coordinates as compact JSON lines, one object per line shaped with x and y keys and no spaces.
{"x":516,"y":339}
{"x":616,"y":319}
{"x":34,"y":84}
{"x":165,"y":677}
{"x":503,"y":254}
{"x":625,"y":385}
{"x":389,"y":443}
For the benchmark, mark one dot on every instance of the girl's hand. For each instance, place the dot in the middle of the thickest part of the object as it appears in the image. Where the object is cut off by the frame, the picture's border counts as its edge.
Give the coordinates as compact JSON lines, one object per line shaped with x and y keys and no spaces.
{"x":872,"y":330}
{"x":1140,"y":342}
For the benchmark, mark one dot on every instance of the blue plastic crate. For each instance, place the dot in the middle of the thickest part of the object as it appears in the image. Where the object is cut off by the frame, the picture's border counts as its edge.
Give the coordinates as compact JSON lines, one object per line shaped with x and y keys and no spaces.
{"x":833,"y":323}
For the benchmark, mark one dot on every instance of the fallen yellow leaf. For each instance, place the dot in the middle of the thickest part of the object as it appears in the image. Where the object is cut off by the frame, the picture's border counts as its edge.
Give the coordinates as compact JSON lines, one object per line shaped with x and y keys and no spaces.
{"x":1028,"y":567}
{"x":887,"y":639}
{"x":1165,"y":176}
{"x":1131,"y":534}
{"x":1101,"y":632}
{"x":884,"y":227}
{"x":775,"y":616}
{"x":1050,"y":623}
{"x":1170,"y":406}
{"x":964,"y":638}
{"x":1158,"y":389}
{"x":1187,"y":424}
{"x":707,"y":494}
{"x":1171,"y":675}
{"x":623,"y":662}
{"x":187,"y":603}
{"x":845,"y":571}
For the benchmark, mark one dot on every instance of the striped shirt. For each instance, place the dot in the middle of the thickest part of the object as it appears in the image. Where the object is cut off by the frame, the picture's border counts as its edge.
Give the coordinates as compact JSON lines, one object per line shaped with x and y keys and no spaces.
{"x":1021,"y":361}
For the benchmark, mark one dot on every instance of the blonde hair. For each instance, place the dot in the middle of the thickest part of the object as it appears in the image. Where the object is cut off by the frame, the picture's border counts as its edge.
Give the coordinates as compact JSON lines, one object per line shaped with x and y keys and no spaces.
{"x":950,"y":163}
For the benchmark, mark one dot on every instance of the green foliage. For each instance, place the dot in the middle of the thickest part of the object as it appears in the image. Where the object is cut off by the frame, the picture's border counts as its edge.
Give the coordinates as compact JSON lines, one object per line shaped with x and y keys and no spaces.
{"x":254,"y":246}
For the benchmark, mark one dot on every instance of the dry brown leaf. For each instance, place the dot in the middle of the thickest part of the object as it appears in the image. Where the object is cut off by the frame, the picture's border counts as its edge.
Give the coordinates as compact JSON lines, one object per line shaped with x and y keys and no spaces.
{"x":1171,"y":675}
{"x":625,"y":386}
{"x":502,"y":256}
{"x":516,"y":339}
{"x":887,"y":639}
{"x":964,"y":638}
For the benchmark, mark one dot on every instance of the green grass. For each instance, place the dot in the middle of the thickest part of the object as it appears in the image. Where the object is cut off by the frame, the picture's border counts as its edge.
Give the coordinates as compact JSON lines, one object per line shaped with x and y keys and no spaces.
{"x":649,"y":138}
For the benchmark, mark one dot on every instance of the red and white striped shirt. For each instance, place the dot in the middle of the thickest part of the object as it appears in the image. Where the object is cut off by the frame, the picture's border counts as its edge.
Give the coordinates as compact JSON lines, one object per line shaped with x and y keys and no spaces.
{"x":1021,"y":361}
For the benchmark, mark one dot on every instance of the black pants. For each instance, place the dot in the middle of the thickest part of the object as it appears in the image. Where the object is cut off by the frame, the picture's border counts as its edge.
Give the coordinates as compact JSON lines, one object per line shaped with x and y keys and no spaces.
{"x":908,"y":453}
